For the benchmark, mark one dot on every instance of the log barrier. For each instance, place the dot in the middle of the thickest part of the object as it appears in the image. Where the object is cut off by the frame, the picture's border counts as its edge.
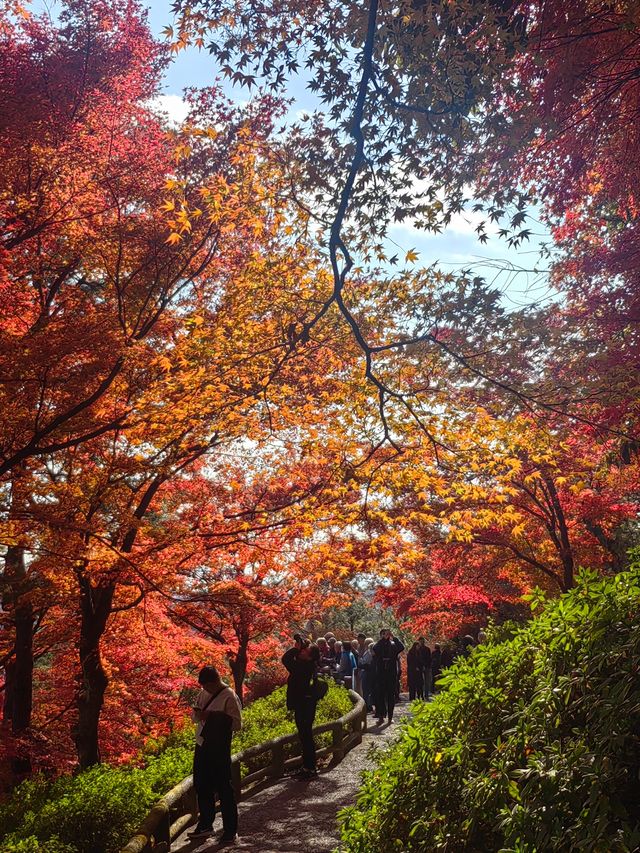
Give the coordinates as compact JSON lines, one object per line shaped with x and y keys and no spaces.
{"x":264,"y":762}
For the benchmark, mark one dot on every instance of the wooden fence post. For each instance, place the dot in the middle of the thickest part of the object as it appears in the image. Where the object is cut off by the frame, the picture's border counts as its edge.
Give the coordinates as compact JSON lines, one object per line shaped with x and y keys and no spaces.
{"x":179,"y":804}
{"x":277,"y":760}
{"x":337,"y":742}
{"x":163,"y":833}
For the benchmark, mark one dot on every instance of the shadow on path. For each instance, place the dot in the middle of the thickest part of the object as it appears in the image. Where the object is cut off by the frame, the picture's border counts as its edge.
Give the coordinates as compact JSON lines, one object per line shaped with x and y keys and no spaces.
{"x":299,"y":816}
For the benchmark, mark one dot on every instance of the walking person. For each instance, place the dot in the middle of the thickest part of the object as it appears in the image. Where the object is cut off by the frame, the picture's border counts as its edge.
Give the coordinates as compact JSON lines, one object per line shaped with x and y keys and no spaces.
{"x":386,"y":650}
{"x":359,"y":647}
{"x":467,"y":646}
{"x":436,"y":666}
{"x":218,"y":713}
{"x":365,"y":667}
{"x":425,"y":658}
{"x":446,"y":658}
{"x":301,"y":662}
{"x":414,"y":672}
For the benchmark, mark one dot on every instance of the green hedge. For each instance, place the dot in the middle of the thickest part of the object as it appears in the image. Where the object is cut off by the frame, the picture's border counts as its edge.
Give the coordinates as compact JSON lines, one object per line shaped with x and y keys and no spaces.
{"x":534,"y":744}
{"x":100,"y":809}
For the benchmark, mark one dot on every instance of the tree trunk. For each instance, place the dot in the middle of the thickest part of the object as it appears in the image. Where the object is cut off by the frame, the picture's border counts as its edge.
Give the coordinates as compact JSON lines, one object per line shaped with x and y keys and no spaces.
{"x":612,"y":544}
{"x":23,"y":682}
{"x":7,"y":703}
{"x":561,"y":539}
{"x":95,"y":607}
{"x":238,"y":665}
{"x":19,"y":699}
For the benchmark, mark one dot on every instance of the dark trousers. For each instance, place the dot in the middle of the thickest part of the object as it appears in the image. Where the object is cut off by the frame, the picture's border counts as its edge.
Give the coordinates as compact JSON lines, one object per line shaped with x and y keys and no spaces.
{"x":305,"y":714}
{"x":427,"y":682}
{"x":386,"y":693}
{"x":416,"y":684}
{"x":435,"y":674}
{"x":211,"y":775}
{"x":367,"y":687}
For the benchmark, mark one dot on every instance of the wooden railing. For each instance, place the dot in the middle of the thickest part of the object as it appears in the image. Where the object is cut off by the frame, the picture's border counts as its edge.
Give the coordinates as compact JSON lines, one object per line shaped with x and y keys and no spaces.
{"x":177,"y":809}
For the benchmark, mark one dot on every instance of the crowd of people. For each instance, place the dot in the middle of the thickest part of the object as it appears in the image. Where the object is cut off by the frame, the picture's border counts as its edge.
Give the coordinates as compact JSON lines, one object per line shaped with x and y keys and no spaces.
{"x":370,"y":667}
{"x":364,"y":665}
{"x":373,"y":669}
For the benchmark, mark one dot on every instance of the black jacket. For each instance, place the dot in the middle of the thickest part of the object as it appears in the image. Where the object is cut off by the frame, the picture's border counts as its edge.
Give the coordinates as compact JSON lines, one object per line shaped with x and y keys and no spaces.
{"x":301,"y":675}
{"x":386,"y":656}
{"x":424,"y":656}
{"x":414,"y":661}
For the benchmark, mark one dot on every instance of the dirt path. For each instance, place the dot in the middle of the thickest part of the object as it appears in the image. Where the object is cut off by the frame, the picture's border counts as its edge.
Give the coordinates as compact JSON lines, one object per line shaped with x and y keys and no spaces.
{"x":294,"y":816}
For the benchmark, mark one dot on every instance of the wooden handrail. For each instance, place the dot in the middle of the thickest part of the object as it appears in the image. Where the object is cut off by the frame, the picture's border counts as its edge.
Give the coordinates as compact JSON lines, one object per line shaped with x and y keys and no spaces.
{"x":176,"y":809}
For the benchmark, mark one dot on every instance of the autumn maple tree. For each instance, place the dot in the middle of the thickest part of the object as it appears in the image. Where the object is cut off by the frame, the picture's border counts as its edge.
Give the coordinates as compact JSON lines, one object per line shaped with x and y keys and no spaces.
{"x":227,"y":401}
{"x":141,"y":260}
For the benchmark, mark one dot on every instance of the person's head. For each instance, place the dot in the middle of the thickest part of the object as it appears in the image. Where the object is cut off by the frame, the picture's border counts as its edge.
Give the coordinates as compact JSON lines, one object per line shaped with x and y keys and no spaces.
{"x":346,"y":646}
{"x":468,"y":640}
{"x":337,"y":646}
{"x":209,"y":678}
{"x":310,"y":652}
{"x":362,"y":637}
{"x":322,"y":644}
{"x":422,"y":641}
{"x":436,"y":647}
{"x":415,"y":646}
{"x":300,"y":641}
{"x":328,"y":636}
{"x":332,"y":642}
{"x":370,"y":643}
{"x":385,"y":633}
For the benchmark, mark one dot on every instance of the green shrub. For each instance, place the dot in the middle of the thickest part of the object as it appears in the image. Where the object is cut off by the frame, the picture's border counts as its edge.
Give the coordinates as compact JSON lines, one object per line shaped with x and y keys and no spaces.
{"x":99,"y":810}
{"x":33,"y":845}
{"x":533,"y":745}
{"x":93,"y":812}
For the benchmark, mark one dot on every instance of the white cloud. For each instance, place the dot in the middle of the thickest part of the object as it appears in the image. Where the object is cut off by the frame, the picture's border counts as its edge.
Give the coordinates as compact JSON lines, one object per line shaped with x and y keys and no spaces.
{"x":175,"y":107}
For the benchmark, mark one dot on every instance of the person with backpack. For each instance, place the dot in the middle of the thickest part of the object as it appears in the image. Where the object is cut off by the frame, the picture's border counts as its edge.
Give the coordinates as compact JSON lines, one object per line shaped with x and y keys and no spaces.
{"x":304,"y":690}
{"x":218,"y":713}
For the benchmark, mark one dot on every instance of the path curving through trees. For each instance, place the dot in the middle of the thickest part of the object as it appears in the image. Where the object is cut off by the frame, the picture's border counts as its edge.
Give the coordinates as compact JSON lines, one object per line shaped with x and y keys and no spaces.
{"x":295,"y":816}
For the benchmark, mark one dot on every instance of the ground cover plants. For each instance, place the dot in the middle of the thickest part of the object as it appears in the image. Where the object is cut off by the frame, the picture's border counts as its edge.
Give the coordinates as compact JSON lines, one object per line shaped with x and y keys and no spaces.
{"x":533,"y":744}
{"x":98,"y":810}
